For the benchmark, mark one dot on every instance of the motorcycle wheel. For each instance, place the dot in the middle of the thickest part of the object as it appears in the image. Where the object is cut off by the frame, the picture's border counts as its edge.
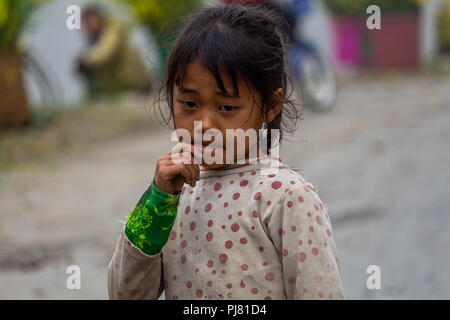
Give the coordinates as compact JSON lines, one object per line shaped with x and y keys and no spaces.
{"x":317,"y":84}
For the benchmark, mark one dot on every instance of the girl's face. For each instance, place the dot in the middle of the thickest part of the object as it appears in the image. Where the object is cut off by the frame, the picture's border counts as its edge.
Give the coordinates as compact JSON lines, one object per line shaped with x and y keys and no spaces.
{"x":200,"y":99}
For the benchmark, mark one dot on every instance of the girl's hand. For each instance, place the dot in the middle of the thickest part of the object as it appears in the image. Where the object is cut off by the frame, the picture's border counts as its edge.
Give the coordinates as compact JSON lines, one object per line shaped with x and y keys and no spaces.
{"x":170,"y":176}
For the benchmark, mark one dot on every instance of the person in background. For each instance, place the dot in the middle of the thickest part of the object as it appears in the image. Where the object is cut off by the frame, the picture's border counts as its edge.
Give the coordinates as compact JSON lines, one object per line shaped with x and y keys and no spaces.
{"x":109,"y":64}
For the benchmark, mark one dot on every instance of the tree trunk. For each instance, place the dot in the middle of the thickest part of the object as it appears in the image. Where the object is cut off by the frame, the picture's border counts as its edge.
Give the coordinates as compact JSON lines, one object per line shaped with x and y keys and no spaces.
{"x":14,"y":109}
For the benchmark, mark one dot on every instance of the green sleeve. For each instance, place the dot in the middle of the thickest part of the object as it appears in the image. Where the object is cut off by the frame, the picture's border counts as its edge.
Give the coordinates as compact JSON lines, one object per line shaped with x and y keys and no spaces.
{"x":149,"y":224}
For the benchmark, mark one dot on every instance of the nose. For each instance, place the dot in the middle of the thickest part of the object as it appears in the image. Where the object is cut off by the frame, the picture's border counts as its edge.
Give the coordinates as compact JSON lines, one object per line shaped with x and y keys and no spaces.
{"x":207,"y":120}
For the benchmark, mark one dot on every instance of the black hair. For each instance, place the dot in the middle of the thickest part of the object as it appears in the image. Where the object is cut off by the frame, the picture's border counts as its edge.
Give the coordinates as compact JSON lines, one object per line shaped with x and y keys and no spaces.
{"x":244,"y":41}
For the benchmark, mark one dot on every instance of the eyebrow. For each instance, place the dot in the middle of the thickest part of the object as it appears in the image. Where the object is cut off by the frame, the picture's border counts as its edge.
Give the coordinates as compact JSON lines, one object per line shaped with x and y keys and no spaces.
{"x":223,"y":94}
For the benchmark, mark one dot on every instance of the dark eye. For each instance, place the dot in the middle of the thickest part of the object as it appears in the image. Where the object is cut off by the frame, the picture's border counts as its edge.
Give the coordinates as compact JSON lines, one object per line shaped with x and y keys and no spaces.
{"x":229,"y":108}
{"x":189,"y":104}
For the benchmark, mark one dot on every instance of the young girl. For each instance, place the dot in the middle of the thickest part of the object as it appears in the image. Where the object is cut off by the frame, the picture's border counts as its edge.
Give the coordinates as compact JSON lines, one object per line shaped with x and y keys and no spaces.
{"x":227,"y":231}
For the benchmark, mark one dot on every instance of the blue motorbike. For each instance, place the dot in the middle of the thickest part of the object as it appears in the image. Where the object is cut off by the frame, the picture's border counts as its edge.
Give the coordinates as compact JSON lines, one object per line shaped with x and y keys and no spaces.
{"x":312,"y":71}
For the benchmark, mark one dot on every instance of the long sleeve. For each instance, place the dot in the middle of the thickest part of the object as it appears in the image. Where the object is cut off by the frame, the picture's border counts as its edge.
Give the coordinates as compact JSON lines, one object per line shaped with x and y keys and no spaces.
{"x":301,"y":232}
{"x":133,"y":274}
{"x":135,"y":270}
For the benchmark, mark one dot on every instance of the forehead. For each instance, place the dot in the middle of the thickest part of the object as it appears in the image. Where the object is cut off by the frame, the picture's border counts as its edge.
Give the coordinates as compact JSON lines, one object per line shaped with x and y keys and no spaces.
{"x":198,"y":77}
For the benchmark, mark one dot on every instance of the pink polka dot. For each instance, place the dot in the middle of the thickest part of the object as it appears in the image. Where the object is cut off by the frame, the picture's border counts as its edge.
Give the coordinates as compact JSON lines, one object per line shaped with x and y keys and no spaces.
{"x":239,"y":213}
{"x":269,"y":203}
{"x":183,"y":259}
{"x":217,"y":186}
{"x":187,"y":210}
{"x":235,"y":227}
{"x":309,"y":241}
{"x":229,"y":285}
{"x":316,"y":207}
{"x":224,"y":271}
{"x":292,"y":182}
{"x":291,"y":280}
{"x":315,"y":251}
{"x":225,"y":204}
{"x":244,"y":267}
{"x":257,"y":196}
{"x":318,"y":279}
{"x":268,"y":298}
{"x":242,"y":285}
{"x":133,"y":292}
{"x":320,"y":294}
{"x":270,"y":276}
{"x":254,"y":290}
{"x":173,"y":235}
{"x":319,"y":220}
{"x":199,"y":293}
{"x":309,"y":214}
{"x":311,"y":229}
{"x":219,"y":195}
{"x":255,"y":214}
{"x":183,"y":244}
{"x":261,"y":249}
{"x":253,"y":227}
{"x":175,"y":298}
{"x":230,"y":217}
{"x":293,"y":228}
{"x":198,"y":198}
{"x":329,"y":233}
{"x":276,"y":185}
{"x":192,"y":225}
{"x":300,"y":242}
{"x":241,"y":174}
{"x":228,"y":244}
{"x":189,"y":284}
{"x":243,"y":183}
{"x":210,"y":263}
{"x":210,"y":283}
{"x":210,"y":223}
{"x":289,"y":204}
{"x":209,"y":236}
{"x":197,"y":270}
{"x":271,"y":175}
{"x":285,"y":252}
{"x":236,"y":195}
{"x":223,"y":227}
{"x":213,"y":272}
{"x":243,"y":240}
{"x":253,"y":173}
{"x":208,"y":207}
{"x":265,"y":263}
{"x":223,"y":258}
{"x":301,"y":256}
{"x":300,"y":199}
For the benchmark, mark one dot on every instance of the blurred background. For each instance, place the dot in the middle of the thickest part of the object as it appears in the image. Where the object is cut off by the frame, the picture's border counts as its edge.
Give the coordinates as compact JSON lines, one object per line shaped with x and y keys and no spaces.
{"x":80,"y":135}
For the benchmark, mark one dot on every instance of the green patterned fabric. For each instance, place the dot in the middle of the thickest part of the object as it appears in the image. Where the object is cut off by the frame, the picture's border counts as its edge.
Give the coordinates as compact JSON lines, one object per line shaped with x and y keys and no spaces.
{"x":149,"y":224}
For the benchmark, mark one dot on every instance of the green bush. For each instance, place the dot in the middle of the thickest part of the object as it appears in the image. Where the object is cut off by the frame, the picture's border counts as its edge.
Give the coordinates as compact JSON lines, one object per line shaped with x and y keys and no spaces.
{"x":14,"y":17}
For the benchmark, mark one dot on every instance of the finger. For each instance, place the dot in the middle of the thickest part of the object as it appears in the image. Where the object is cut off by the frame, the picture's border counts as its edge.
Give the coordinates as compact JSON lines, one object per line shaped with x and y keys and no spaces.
{"x":178,"y":169}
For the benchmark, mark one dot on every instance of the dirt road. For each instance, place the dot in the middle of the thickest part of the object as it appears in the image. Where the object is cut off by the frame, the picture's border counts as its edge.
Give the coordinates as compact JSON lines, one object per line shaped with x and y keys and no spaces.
{"x":380,"y":160}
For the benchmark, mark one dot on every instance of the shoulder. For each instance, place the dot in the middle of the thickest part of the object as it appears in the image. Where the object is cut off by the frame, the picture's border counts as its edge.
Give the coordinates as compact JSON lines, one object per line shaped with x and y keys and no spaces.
{"x":283,"y":180}
{"x":290,"y":193}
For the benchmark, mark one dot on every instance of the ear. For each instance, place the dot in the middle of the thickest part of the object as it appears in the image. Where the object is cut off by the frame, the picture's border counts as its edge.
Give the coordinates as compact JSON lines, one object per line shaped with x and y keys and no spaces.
{"x":279,"y":97}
